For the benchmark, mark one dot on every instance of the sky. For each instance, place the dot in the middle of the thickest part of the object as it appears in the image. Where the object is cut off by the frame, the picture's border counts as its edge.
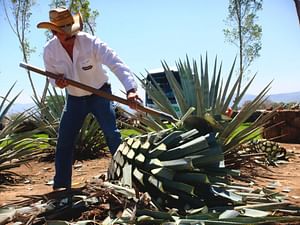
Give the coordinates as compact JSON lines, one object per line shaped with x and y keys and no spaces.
{"x":144,"y":33}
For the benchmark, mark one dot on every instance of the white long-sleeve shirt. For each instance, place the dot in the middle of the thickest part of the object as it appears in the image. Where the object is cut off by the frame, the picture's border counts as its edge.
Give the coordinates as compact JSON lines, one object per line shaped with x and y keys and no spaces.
{"x":89,"y":56}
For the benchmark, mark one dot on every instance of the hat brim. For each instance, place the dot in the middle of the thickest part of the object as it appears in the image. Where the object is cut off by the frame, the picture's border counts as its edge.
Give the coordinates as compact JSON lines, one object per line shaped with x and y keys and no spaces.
{"x":69,"y":30}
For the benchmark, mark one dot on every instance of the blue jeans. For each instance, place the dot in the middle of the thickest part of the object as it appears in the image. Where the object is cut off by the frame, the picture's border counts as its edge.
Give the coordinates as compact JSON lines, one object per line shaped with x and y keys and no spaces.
{"x":75,"y":111}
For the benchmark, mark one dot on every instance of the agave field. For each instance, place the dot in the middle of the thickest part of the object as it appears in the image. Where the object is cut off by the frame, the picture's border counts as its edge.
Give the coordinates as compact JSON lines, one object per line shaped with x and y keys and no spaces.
{"x":197,"y":169}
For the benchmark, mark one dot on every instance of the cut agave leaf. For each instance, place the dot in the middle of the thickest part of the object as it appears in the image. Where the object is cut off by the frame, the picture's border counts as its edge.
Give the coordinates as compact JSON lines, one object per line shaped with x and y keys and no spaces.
{"x":191,"y":178}
{"x":184,"y":164}
{"x":185,"y":149}
{"x":163,"y":173}
{"x":229,"y":214}
{"x":254,"y":213}
{"x":226,"y":194}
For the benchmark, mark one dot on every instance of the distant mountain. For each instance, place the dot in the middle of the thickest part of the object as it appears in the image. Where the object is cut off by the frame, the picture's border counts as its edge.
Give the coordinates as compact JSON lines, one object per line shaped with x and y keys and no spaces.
{"x":284,"y":97}
{"x":20,"y":107}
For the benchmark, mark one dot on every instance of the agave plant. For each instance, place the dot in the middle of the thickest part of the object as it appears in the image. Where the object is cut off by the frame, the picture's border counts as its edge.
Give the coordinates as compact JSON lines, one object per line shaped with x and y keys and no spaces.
{"x":16,"y":147}
{"x":47,"y":114}
{"x":211,"y":100}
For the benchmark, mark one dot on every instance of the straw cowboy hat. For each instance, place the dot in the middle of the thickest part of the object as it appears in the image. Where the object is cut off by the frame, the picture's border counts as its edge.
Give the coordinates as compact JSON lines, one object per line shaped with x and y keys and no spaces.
{"x":62,"y":21}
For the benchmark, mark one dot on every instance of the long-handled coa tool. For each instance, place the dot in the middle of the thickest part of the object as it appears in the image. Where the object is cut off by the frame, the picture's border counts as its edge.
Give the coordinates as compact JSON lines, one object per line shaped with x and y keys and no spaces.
{"x":100,"y":93}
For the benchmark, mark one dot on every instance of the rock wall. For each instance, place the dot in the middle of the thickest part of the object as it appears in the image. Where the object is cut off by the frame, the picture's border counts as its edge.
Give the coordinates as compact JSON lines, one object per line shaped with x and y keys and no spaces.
{"x":284,"y":127}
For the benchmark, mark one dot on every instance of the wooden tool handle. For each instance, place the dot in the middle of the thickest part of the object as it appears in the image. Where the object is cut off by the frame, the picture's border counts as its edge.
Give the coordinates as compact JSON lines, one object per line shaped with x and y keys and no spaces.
{"x":99,"y":92}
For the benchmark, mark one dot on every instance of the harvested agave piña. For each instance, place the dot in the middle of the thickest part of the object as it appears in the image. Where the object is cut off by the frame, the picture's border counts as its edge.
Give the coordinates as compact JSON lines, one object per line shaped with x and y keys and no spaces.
{"x":177,"y":168}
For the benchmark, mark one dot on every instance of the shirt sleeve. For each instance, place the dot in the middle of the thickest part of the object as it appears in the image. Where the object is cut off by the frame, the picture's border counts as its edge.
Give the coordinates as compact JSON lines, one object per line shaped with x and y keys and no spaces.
{"x":48,"y":63}
{"x":109,"y":58}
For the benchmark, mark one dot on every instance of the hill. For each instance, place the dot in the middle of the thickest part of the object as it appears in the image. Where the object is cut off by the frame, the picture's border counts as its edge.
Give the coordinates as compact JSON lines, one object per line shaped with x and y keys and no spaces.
{"x":284,"y":97}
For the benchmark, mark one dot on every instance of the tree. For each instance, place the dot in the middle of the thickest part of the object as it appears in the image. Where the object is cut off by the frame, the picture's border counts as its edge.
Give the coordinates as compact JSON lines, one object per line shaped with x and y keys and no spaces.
{"x":243,"y":32}
{"x":18,"y":15}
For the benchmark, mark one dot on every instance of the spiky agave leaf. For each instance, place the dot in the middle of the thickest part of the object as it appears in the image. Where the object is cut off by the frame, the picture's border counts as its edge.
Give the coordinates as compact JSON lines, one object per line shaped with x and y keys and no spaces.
{"x":90,"y":140}
{"x":17,"y":147}
{"x":48,"y":112}
{"x":18,"y":151}
{"x":5,"y":108}
{"x":158,"y":95}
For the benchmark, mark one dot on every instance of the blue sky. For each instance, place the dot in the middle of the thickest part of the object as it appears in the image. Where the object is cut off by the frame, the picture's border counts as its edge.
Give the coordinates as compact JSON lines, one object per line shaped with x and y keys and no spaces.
{"x":144,"y":33}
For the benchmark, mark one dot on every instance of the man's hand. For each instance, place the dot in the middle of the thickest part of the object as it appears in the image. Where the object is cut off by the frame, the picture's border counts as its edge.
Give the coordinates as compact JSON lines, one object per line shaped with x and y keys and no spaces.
{"x":61,"y":82}
{"x":133,"y":99}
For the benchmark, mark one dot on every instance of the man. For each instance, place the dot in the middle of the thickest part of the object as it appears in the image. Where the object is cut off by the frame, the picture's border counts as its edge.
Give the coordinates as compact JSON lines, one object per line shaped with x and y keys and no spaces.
{"x":80,"y":56}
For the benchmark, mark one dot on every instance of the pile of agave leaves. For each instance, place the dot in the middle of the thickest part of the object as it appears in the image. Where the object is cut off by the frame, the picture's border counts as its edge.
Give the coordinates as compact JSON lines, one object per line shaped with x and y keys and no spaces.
{"x":175,"y":174}
{"x":103,"y":202}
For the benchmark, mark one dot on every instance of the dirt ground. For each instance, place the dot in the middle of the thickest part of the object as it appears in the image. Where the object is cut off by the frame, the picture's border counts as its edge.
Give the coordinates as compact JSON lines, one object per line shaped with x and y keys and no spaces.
{"x":38,"y":176}
{"x":285,"y":178}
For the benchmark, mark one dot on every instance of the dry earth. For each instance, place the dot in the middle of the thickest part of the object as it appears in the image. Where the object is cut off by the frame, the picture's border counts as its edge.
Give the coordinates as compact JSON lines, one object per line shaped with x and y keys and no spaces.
{"x":38,"y":177}
{"x":286,"y":177}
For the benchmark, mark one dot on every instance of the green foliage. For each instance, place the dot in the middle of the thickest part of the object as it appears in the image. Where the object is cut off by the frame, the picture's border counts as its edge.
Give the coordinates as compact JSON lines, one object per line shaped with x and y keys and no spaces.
{"x":195,"y":89}
{"x":90,"y":142}
{"x":129,"y":133}
{"x":243,"y":31}
{"x":16,"y":148}
{"x":255,"y":136}
{"x":47,"y":114}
